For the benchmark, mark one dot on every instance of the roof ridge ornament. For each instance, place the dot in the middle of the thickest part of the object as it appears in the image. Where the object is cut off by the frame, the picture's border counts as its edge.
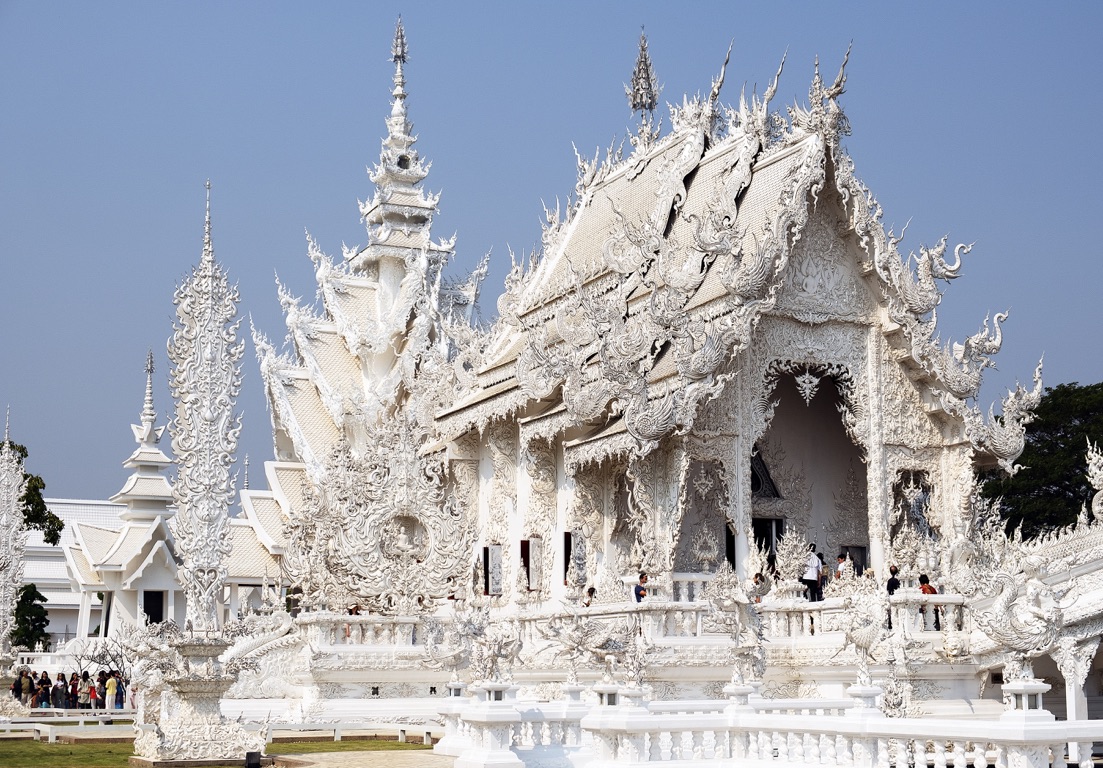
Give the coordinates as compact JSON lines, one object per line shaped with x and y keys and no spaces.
{"x":643,"y":96}
{"x":208,"y":248}
{"x":399,"y":56}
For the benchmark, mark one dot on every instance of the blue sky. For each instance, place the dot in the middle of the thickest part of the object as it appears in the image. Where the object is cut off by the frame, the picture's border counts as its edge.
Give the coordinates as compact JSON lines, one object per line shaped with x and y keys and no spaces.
{"x":975,"y":120}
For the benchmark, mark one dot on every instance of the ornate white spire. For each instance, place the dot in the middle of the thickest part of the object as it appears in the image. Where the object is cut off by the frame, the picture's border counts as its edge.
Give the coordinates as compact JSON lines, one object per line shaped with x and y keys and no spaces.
{"x":643,"y":91}
{"x":205,"y":380}
{"x":208,"y":249}
{"x":643,"y":96}
{"x":399,"y":204}
{"x":147,"y":493}
{"x":399,"y":53}
{"x":13,"y":538}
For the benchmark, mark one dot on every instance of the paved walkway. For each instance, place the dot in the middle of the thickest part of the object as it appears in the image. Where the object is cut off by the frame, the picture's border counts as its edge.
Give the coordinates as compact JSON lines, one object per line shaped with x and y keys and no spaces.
{"x":415,"y":758}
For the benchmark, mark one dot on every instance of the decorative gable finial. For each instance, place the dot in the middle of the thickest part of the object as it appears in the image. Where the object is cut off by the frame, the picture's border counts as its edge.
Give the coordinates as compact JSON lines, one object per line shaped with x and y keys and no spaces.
{"x":246,"y":485}
{"x":399,"y":55}
{"x":208,"y":248}
{"x":7,"y":424}
{"x":148,"y":414}
{"x":643,"y":91}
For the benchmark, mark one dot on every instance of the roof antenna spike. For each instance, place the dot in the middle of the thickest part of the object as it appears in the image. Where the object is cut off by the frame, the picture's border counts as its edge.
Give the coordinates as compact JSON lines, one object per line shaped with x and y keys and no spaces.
{"x":148,"y":414}
{"x":208,"y":248}
{"x":399,"y":56}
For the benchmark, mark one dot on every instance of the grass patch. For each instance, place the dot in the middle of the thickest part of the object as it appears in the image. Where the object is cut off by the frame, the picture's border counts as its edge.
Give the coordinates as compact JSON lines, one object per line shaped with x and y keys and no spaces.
{"x":23,"y":753}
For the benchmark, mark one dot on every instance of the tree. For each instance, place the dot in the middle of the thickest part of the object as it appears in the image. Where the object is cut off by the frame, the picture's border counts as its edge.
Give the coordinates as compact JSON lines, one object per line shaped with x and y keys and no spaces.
{"x":30,"y":619}
{"x":35,"y":512}
{"x":1050,"y":489}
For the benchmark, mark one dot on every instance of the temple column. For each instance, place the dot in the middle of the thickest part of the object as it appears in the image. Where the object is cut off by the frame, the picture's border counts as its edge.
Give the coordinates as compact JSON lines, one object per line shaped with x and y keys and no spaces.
{"x":170,"y":608}
{"x":83,"y":615}
{"x":1074,"y":660}
{"x":878,"y":484}
{"x":105,"y":612}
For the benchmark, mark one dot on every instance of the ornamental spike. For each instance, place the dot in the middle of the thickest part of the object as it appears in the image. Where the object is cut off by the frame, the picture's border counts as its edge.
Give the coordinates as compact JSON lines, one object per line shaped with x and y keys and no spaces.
{"x":399,"y":55}
{"x":7,"y":424}
{"x":208,"y":248}
{"x":148,"y":414}
{"x":718,"y":83}
{"x":643,"y":91}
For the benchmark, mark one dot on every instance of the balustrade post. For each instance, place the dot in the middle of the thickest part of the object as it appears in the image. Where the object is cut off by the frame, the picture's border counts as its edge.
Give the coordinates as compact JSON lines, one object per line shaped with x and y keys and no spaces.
{"x":494,"y":715}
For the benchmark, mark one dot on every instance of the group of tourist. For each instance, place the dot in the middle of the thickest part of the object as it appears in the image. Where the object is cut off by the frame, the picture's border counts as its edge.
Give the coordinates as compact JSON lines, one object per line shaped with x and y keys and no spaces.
{"x":107,"y":690}
{"x":816,"y":572}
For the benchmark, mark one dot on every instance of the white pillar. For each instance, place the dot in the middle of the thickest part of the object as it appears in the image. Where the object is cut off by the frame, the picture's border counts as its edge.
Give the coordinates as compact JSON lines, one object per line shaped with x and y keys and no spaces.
{"x":105,"y":611}
{"x":83,"y":615}
{"x":170,"y":607}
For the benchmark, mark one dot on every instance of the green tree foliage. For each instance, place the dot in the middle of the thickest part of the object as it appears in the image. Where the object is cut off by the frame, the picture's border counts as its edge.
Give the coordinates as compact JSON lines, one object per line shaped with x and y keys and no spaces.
{"x":35,"y":512}
{"x":30,"y":618}
{"x":1052,"y":486}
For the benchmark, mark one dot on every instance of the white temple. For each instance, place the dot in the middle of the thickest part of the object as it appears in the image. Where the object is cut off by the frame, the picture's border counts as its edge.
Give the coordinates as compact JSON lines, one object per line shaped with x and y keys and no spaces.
{"x":717,"y":357}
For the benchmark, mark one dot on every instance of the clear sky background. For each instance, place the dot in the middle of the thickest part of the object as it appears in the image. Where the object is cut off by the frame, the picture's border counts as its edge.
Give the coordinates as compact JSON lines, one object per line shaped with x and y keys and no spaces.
{"x":976,"y":120}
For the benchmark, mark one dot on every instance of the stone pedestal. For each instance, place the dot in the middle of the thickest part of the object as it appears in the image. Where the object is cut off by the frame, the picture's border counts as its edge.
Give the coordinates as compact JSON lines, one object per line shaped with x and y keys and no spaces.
{"x":455,"y":740}
{"x":620,"y":714}
{"x":491,"y":717}
{"x":865,"y":701}
{"x":1026,"y":704}
{"x":191,"y":729}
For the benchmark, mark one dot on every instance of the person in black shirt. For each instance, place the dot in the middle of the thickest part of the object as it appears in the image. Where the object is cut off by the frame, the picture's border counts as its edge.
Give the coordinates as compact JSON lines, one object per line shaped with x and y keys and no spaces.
{"x":640,"y":590}
{"x":893,"y":583}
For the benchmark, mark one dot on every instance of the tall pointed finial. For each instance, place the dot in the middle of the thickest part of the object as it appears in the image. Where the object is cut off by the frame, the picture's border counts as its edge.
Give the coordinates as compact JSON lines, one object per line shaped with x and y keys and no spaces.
{"x":246,"y":485}
{"x":7,"y":424}
{"x":208,"y":249}
{"x":399,"y":55}
{"x":643,"y":92}
{"x":148,"y":414}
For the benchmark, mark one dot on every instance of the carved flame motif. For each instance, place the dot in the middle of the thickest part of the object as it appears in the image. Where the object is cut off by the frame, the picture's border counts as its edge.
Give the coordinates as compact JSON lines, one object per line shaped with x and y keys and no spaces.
{"x":383,"y":532}
{"x":205,"y":379}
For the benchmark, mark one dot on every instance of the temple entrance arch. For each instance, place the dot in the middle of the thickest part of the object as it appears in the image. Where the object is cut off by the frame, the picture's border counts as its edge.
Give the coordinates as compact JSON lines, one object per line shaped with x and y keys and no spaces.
{"x":816,"y":467}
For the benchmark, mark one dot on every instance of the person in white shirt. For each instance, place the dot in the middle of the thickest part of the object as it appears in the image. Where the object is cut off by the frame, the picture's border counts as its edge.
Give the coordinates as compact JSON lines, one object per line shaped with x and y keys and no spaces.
{"x":811,"y":578}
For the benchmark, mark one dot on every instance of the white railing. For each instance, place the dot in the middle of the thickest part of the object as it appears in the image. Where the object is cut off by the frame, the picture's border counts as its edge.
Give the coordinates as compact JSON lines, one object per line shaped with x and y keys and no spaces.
{"x":752,"y":739}
{"x":835,"y":732}
{"x":325,"y":628}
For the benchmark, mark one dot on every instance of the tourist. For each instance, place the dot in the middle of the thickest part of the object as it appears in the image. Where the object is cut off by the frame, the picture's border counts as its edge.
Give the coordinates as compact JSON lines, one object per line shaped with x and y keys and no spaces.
{"x":812,"y":570}
{"x":101,"y":690}
{"x":85,"y":691}
{"x":110,"y":687}
{"x":841,"y":568}
{"x":74,"y":691}
{"x":927,"y":588}
{"x":893,"y":583}
{"x":640,"y":590}
{"x":120,"y":691}
{"x":59,"y":696}
{"x":45,"y":689}
{"x":758,"y":586}
{"x":588,"y":600}
{"x":28,"y":688}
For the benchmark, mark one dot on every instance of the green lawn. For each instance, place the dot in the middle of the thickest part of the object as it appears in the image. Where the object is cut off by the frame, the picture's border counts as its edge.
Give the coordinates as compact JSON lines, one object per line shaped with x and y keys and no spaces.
{"x":25,"y":753}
